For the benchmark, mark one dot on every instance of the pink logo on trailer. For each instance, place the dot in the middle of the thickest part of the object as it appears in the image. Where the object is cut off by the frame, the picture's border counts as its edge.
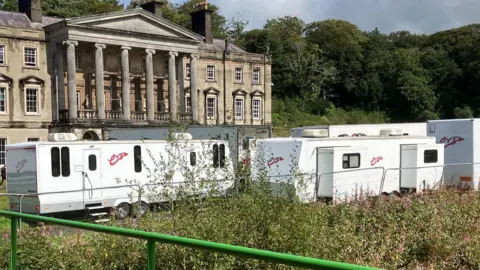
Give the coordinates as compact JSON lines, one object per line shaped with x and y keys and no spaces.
{"x":375,"y":160}
{"x":451,"y":141}
{"x":273,"y":161}
{"x":116,"y":158}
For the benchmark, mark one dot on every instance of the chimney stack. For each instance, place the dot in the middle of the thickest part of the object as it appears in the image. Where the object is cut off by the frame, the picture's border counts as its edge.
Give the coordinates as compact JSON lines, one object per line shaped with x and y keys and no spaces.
{"x":32,"y":8}
{"x":202,"y":21}
{"x":153,"y":6}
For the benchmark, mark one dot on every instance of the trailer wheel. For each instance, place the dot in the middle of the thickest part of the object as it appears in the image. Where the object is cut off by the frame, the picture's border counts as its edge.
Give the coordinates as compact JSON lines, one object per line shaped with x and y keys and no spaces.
{"x":144,"y":207}
{"x":122,"y":211}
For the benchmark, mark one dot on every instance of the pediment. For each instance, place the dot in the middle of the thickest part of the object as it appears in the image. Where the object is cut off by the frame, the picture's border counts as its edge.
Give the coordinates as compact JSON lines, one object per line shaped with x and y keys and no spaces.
{"x":257,"y":93}
{"x":31,"y":80}
{"x":136,"y":21}
{"x":211,"y":91}
{"x":5,"y":79}
{"x":239,"y":92}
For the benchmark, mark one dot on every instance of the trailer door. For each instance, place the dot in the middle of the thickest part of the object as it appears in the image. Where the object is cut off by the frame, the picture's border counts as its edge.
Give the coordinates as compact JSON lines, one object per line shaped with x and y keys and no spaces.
{"x":325,"y":172}
{"x":92,"y":176}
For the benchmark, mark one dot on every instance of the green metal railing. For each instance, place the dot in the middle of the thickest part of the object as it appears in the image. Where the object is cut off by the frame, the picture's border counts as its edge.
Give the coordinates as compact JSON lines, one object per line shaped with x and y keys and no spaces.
{"x":153,"y":238}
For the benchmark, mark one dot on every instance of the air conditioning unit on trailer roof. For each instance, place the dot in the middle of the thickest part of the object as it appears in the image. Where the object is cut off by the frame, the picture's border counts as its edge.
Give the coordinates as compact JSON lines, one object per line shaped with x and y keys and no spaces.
{"x":391,"y":132}
{"x":315,"y":133}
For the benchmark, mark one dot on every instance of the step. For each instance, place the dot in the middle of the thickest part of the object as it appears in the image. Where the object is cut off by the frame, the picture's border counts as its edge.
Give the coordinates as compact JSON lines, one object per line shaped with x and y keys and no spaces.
{"x":102,"y":220}
{"x":95,"y":207}
{"x":98,"y":214}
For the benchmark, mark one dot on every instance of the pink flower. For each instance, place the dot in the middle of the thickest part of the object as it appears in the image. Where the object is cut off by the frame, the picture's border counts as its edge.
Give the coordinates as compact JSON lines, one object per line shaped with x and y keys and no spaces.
{"x":466,"y":238}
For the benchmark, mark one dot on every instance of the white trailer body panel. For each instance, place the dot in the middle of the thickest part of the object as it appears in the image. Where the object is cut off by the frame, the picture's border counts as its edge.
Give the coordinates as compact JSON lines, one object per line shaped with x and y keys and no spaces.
{"x":82,"y":166}
{"x":412,"y":129}
{"x":367,"y":158}
{"x":462,"y":145}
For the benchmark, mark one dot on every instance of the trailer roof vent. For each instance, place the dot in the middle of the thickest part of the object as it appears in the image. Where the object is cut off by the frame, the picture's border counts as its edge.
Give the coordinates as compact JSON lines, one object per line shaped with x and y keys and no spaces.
{"x":315,"y":133}
{"x":181,"y":136}
{"x":61,"y":137}
{"x":391,"y":132}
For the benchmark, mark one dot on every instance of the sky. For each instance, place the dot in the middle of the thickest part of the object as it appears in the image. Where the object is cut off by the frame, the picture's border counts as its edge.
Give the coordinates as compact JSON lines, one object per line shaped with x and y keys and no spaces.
{"x":417,"y":16}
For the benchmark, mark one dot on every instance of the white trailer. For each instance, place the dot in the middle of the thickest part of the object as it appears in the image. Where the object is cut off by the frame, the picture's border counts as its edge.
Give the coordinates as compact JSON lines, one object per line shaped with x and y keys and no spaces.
{"x":334,"y":168}
{"x":413,"y":129}
{"x":77,"y":169}
{"x":461,"y":139}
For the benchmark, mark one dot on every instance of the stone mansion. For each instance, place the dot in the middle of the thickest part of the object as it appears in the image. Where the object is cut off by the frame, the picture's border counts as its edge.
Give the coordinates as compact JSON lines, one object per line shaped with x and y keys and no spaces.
{"x":122,"y":69}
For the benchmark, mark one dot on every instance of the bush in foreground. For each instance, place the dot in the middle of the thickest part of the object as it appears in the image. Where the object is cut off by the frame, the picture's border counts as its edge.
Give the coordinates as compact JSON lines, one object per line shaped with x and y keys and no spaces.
{"x":440,"y":230}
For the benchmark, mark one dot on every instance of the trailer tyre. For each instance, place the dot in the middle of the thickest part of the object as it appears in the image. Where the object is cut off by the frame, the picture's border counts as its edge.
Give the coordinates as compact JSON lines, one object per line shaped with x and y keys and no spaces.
{"x":144,"y":207}
{"x":122,"y":211}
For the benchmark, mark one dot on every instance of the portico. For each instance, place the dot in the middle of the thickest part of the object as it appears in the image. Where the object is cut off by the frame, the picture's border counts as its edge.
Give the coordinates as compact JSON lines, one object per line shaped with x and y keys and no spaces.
{"x":149,"y":52}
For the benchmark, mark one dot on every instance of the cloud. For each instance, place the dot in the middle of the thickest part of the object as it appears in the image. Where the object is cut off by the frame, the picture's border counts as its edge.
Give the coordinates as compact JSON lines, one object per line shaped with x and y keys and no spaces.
{"x":419,"y":16}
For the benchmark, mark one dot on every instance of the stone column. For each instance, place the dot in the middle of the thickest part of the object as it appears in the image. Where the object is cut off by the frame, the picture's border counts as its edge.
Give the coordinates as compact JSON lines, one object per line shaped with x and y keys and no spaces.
{"x":59,"y":54}
{"x":181,"y":84}
{"x":149,"y":84}
{"x":125,"y":83}
{"x":72,"y":79}
{"x":193,"y":87}
{"x":172,"y":86}
{"x":99,"y":81}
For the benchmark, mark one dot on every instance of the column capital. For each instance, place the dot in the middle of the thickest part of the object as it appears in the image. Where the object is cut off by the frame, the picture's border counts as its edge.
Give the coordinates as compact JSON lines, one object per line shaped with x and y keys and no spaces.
{"x":150,"y":51}
{"x":70,"y":42}
{"x":126,"y":48}
{"x":194,"y":55}
{"x":172,"y":54}
{"x":100,"y":46}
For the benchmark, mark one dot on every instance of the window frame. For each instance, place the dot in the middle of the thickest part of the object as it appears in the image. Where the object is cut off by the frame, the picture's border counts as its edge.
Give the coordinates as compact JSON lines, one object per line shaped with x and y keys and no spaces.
{"x":256,"y":69}
{"x":214,"y":107}
{"x":3,"y":60}
{"x":435,"y":156}
{"x":188,"y":103}
{"x":165,"y":68}
{"x":3,"y":144}
{"x":193,"y":158}
{"x":28,"y":88}
{"x":30,"y":64}
{"x":212,"y":78}
{"x":90,"y":162}
{"x":5,"y":86}
{"x":187,"y":70}
{"x":259,"y":117}
{"x":65,"y":161}
{"x":137,"y":158}
{"x":242,"y":108}
{"x":78,"y":59}
{"x":240,"y":73}
{"x":56,"y":162}
{"x":346,"y":164}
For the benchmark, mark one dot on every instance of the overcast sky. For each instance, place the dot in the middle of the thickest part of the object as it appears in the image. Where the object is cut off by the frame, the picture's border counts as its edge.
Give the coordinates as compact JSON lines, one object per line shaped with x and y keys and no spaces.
{"x":419,"y":16}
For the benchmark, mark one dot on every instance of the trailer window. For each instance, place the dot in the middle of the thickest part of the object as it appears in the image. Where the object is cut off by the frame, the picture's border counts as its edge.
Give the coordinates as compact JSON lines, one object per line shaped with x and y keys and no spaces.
{"x":65,"y":154}
{"x":215,"y":155}
{"x":222,"y":155}
{"x":137,"y":157}
{"x":92,"y":163}
{"x":193,"y":158}
{"x":55,"y":159}
{"x":430,"y":156}
{"x":351,"y":161}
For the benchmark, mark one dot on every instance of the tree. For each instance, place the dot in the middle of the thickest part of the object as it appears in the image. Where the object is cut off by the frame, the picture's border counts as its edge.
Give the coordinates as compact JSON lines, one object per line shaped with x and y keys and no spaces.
{"x":9,"y":5}
{"x":307,"y":71}
{"x":69,"y":8}
{"x":235,"y":29}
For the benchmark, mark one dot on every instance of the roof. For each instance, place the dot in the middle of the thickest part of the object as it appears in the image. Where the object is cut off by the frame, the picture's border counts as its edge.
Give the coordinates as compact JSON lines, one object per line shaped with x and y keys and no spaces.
{"x":20,"y":20}
{"x":219,"y":45}
{"x":366,"y":138}
{"x":86,"y":142}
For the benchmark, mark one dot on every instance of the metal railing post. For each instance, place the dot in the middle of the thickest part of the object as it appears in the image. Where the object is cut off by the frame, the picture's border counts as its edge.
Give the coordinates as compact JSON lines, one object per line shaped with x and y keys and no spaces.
{"x":13,"y":242}
{"x":151,"y":254}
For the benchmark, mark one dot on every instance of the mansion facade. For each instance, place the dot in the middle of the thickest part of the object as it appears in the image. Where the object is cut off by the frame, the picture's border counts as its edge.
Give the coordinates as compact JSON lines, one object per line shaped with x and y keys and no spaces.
{"x":122,"y":69}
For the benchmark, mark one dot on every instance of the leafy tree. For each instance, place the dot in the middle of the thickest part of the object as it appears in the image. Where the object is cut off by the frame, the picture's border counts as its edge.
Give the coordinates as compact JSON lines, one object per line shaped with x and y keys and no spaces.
{"x":9,"y":5}
{"x":307,"y":71}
